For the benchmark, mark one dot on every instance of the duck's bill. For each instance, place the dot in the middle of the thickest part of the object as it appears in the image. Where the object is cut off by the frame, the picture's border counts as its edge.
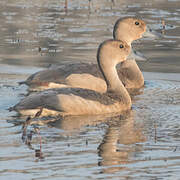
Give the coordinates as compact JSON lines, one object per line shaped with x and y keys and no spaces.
{"x":152,"y":34}
{"x":135,"y":55}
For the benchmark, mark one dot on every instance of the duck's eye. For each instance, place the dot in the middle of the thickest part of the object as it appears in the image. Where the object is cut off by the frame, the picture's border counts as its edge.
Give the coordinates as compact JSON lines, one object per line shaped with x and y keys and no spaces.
{"x":137,"y":23}
{"x":121,"y":46}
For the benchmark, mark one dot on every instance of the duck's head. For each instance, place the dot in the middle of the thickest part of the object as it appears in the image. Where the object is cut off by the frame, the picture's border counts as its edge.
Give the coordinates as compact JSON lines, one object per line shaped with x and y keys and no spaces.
{"x":112,"y":52}
{"x":130,"y":28}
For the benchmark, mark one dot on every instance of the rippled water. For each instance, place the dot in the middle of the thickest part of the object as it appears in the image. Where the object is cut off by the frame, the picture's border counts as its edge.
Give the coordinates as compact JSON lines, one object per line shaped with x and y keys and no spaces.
{"x":143,"y":144}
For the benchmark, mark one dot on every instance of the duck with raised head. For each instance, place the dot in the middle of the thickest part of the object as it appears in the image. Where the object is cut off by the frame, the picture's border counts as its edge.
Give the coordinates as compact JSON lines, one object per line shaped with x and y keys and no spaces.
{"x":86,"y":75}
{"x":79,"y":101}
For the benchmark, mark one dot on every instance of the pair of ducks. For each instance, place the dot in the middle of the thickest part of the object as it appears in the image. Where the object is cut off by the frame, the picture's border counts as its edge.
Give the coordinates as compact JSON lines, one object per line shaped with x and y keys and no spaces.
{"x":88,"y":93}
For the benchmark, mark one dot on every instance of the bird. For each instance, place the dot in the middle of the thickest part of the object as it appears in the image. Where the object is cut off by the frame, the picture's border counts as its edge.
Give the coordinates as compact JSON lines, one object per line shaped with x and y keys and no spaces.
{"x":81,"y":101}
{"x":87,"y":75}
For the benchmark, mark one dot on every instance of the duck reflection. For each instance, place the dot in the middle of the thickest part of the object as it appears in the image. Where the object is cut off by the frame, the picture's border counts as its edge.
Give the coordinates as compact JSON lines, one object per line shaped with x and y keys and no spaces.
{"x":119,"y":142}
{"x":119,"y":145}
{"x":75,"y":123}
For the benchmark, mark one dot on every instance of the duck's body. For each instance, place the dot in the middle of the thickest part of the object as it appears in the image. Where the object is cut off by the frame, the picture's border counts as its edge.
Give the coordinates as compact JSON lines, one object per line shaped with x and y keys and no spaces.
{"x":80,"y":75}
{"x":85,"y":75}
{"x":69,"y":101}
{"x":78,"y":101}
{"x":75,"y":75}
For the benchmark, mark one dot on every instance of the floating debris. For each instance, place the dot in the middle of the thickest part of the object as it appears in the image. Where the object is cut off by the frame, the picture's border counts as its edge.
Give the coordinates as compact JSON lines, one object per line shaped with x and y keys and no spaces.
{"x":163,"y":27}
{"x":27,"y":136}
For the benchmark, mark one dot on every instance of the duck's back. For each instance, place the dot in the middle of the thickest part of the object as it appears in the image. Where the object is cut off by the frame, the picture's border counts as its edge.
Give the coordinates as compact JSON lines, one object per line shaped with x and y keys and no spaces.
{"x":59,"y":74}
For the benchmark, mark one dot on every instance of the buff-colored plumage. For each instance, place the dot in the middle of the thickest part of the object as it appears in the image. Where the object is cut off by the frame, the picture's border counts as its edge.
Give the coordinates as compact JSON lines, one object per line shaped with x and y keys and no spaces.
{"x":87,"y":75}
{"x":79,"y":101}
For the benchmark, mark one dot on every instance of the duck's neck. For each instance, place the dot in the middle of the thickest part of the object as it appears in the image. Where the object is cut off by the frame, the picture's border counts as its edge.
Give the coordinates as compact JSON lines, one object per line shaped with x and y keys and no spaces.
{"x":120,"y":36}
{"x":114,"y":84}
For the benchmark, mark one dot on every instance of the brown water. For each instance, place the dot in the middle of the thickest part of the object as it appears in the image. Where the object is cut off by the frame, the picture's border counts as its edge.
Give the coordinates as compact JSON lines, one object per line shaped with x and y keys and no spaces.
{"x":144,"y":144}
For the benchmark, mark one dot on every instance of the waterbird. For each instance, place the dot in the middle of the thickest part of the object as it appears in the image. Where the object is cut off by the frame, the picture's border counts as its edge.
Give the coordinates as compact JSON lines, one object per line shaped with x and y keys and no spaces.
{"x":87,"y":75}
{"x":81,"y":101}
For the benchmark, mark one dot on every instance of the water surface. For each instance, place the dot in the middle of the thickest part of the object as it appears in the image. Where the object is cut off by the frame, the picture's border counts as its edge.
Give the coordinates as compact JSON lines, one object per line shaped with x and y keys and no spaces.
{"x":142,"y":143}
